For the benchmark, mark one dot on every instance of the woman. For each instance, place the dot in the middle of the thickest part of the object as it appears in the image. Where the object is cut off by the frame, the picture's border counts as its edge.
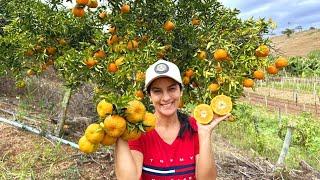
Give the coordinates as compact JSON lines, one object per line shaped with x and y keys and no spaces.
{"x":178,"y":147}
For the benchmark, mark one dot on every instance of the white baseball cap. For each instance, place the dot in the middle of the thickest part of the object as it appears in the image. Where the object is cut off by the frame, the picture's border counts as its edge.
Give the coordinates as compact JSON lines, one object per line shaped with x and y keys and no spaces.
{"x":162,"y":68}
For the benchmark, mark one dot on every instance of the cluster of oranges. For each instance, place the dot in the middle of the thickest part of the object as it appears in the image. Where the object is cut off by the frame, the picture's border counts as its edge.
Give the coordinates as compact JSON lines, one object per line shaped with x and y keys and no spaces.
{"x":261,"y":52}
{"x":78,"y":10}
{"x":128,"y":125}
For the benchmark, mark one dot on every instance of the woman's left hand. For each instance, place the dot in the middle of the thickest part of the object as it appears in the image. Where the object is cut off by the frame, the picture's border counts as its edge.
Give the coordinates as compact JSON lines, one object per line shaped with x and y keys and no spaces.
{"x":209,"y":127}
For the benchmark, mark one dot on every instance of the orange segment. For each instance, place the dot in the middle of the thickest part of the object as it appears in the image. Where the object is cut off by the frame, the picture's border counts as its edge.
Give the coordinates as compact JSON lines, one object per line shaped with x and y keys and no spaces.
{"x":203,"y":113}
{"x":221,"y":105}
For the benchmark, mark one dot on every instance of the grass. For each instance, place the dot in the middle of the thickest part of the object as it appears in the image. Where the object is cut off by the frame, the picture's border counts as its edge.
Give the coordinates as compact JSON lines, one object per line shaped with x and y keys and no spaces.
{"x":40,"y":161}
{"x":257,"y":129}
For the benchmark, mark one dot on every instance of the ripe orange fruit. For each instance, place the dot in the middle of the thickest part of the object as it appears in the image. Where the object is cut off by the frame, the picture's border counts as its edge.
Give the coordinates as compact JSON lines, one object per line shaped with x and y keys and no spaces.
{"x":51,"y":50}
{"x":220,"y":55}
{"x":112,"y":68}
{"x":258,"y":74}
{"x":133,"y":44}
{"x":139,"y":94}
{"x":94,"y":133}
{"x":92,"y":3}
{"x":114,"y":125}
{"x":82,"y":2}
{"x":262,"y":51}
{"x":112,"y":30}
{"x":149,"y":121}
{"x":86,"y":146}
{"x":202,"y":55}
{"x":104,"y":108}
{"x":272,"y":69}
{"x":195,"y":21}
{"x":248,"y":82}
{"x":140,"y":76}
{"x":189,"y":73}
{"x":30,"y":72}
{"x":125,"y":8}
{"x":221,"y":105}
{"x":99,"y":54}
{"x":168,"y":26}
{"x":203,"y":113}
{"x":102,"y":15}
{"x":113,"y":40}
{"x":135,"y":111}
{"x":78,"y":11}
{"x":214,"y":87}
{"x":90,"y":62}
{"x":281,"y":62}
{"x":186,"y":80}
{"x":108,"y":140}
{"x":131,"y":134}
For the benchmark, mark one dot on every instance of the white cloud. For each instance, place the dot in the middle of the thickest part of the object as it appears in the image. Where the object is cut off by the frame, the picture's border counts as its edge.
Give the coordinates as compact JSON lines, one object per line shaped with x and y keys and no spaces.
{"x":286,"y":13}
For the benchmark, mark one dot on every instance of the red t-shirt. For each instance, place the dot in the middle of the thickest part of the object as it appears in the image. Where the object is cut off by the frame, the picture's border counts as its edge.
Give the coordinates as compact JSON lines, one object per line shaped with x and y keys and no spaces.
{"x":174,"y":161}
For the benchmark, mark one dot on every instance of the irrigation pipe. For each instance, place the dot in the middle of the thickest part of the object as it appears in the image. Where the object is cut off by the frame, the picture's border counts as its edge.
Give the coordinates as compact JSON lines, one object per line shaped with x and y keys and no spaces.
{"x":38,"y":132}
{"x":15,"y":114}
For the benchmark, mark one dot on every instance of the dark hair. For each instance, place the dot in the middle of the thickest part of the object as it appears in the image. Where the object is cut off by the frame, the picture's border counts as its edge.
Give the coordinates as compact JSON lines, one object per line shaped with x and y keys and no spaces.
{"x":184,"y":124}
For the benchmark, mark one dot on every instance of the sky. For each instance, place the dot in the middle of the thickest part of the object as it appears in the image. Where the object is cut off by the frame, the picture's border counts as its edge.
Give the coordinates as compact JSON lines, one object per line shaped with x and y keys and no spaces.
{"x":286,"y":13}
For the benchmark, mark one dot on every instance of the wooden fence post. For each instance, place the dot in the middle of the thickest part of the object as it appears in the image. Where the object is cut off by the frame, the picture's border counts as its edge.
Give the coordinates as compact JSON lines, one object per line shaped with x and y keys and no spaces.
{"x":279,"y":117}
{"x":266,"y":100}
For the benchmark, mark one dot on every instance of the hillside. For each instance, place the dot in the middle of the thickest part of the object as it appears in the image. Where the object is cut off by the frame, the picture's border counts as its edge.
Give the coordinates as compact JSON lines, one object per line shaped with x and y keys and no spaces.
{"x":298,"y":44}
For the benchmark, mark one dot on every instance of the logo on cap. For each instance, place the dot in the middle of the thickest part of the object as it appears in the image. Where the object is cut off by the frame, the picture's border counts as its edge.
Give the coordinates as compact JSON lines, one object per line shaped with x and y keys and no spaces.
{"x":161,"y":68}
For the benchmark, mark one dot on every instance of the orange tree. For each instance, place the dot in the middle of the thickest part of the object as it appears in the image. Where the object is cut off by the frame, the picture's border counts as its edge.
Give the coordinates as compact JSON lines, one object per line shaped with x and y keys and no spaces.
{"x":215,"y":50}
{"x":36,"y":35}
{"x":212,"y":47}
{"x":112,"y":45}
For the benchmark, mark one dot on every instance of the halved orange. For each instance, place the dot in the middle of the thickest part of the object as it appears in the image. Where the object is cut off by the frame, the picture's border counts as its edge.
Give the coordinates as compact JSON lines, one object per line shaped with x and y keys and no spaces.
{"x":221,"y":105}
{"x":203,"y":113}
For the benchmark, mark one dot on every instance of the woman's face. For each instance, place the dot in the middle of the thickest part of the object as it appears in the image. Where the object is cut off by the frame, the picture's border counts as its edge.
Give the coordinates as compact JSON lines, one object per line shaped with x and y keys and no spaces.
{"x":165,"y":95}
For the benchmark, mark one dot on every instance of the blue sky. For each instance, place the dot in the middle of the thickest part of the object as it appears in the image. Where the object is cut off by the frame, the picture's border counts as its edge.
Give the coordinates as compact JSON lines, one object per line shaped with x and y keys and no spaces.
{"x":286,"y":13}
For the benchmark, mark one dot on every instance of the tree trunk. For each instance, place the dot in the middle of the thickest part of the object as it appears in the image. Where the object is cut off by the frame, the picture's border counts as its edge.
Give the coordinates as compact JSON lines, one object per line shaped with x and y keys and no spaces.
{"x":64,"y":108}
